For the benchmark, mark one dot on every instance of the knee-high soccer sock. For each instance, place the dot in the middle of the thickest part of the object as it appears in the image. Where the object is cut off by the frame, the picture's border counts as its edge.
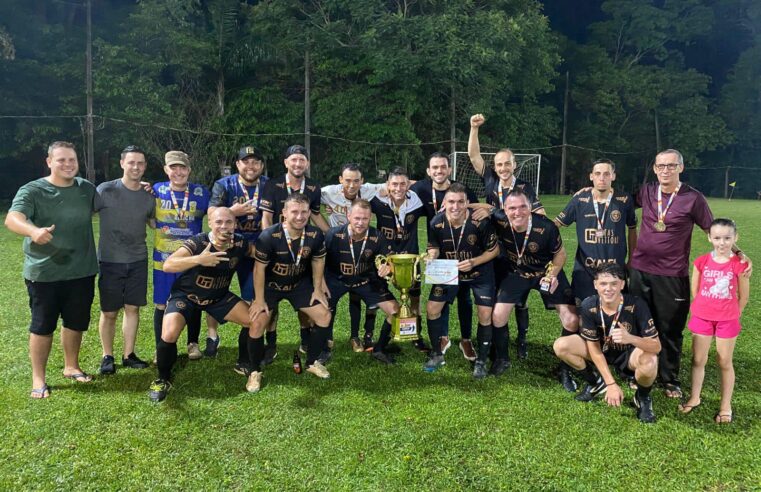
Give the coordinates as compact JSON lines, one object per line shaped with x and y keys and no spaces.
{"x":465,"y":313}
{"x":370,"y":315}
{"x":318,"y":337}
{"x":589,"y":375}
{"x":194,"y":327}
{"x":158,"y":321}
{"x":243,"y":346}
{"x":643,"y":391}
{"x":271,"y":338}
{"x":435,"y":331}
{"x":304,"y":333}
{"x":444,"y":326}
{"x":166,"y":356}
{"x":384,"y":337}
{"x":255,"y":353}
{"x":484,"y":335}
{"x":355,"y":314}
{"x":330,"y":331}
{"x":566,"y":333}
{"x":521,"y":320}
{"x":419,"y":321}
{"x":501,"y":341}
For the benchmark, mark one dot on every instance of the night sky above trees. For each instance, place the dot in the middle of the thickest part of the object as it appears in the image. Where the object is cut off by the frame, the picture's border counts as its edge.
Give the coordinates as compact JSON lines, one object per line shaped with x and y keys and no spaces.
{"x":679,"y":73}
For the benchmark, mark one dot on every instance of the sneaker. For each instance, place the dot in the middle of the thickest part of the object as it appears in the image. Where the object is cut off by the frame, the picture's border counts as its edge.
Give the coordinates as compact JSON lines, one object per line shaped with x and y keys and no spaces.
{"x":592,"y":391}
{"x":466,"y":346}
{"x":499,"y":367}
{"x":133,"y":361}
{"x":211,"y":347}
{"x":384,"y":357}
{"x":107,"y":365}
{"x":479,"y":370}
{"x":420,"y":345}
{"x":254,"y":383}
{"x":564,"y":376}
{"x":445,"y":344}
{"x":270,"y":354}
{"x":241,"y":368}
{"x":644,"y":406}
{"x":325,"y":357}
{"x":434,"y":362}
{"x":522,"y":346}
{"x":194,"y":353}
{"x":303,"y":349}
{"x":318,"y":370}
{"x":367,"y":342}
{"x":158,"y":390}
{"x":356,"y":345}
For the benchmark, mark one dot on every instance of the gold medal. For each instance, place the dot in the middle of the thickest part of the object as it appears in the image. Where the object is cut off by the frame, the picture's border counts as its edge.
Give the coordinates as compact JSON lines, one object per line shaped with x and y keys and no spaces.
{"x":660,"y":226}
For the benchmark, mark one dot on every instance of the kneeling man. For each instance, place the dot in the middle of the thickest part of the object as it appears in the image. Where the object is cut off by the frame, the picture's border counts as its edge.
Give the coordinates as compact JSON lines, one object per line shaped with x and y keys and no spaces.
{"x":207,"y":262}
{"x":616,"y":329}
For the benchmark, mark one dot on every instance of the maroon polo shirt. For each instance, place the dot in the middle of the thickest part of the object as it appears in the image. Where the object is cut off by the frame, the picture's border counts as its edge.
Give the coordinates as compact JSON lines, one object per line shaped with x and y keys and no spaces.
{"x":667,"y":253}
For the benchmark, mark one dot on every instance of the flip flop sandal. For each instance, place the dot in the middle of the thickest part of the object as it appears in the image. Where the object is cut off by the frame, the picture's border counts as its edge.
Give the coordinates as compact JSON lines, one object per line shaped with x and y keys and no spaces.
{"x":79,"y":377}
{"x":723,"y":418}
{"x":39,"y":393}
{"x":685,"y":409}
{"x":673,"y":390}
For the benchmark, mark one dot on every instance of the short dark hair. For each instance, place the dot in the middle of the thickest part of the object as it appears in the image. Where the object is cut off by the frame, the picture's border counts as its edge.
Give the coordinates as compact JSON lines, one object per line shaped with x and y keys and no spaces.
{"x":352,"y":166}
{"x":519,"y":192}
{"x":612,"y":269}
{"x":457,"y":188}
{"x":296,"y":197}
{"x":437,"y":155}
{"x":603,"y":161}
{"x":131,"y":148}
{"x":60,"y":144}
{"x":398,"y":171}
{"x":723,"y":223}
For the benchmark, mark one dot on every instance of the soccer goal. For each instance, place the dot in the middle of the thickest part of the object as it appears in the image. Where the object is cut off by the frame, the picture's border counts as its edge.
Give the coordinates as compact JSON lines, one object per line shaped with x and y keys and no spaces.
{"x":528,"y":169}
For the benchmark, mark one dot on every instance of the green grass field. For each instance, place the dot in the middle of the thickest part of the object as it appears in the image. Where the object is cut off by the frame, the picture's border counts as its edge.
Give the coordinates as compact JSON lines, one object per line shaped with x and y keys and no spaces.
{"x":368,"y":427}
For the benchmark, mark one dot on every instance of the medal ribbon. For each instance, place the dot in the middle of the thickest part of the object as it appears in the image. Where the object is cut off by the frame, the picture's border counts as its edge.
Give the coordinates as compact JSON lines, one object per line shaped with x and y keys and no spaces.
{"x":355,"y":262}
{"x":662,"y":214}
{"x":288,"y":240}
{"x":180,"y":213}
{"x":525,"y":239}
{"x":288,"y":184}
{"x":462,"y":231}
{"x":615,"y":319}
{"x":499,"y":190}
{"x":601,"y":218}
{"x":398,"y":215}
{"x":246,"y":195}
{"x":436,"y":208}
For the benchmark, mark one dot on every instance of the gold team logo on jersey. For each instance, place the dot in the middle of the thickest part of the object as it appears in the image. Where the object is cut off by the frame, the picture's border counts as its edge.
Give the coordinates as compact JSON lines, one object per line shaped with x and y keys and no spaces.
{"x":410,"y":219}
{"x":533,"y":247}
{"x":347,"y":269}
{"x":367,"y":253}
{"x":204,"y":282}
{"x":629,"y":308}
{"x":233,"y":262}
{"x":440,"y":225}
{"x":472,"y":239}
{"x":615,"y":215}
{"x":305,"y":251}
{"x":180,"y":305}
{"x":584,"y":199}
{"x":438,"y":291}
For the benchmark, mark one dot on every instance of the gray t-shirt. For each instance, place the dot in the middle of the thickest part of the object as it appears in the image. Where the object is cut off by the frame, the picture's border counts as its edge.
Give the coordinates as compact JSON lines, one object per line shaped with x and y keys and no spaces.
{"x":123,"y":217}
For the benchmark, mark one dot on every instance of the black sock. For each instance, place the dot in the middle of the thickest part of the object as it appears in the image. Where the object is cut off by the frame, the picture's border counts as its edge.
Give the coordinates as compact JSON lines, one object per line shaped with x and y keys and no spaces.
{"x":318,"y":337}
{"x":566,"y":333}
{"x":484,"y":337}
{"x":158,"y":321}
{"x":271,"y":338}
{"x":500,"y":339}
{"x":521,"y":319}
{"x":419,"y":321}
{"x":370,"y":315}
{"x":643,"y":391}
{"x":435,"y":331}
{"x":243,"y":346}
{"x":355,"y":313}
{"x":304,"y":333}
{"x":194,"y":327}
{"x":166,"y":356}
{"x":465,"y":312}
{"x":589,"y":375}
{"x":444,"y":323}
{"x":384,"y":338}
{"x":330,"y":332}
{"x":255,"y":353}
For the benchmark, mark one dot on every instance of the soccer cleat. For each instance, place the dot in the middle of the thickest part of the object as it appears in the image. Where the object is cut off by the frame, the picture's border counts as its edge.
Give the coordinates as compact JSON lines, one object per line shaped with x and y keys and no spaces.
{"x":466,"y":346}
{"x":318,"y":370}
{"x":356,"y":345}
{"x":241,"y":368}
{"x":420,"y":345}
{"x":158,"y":390}
{"x":303,"y":348}
{"x":270,"y":354}
{"x":445,"y":343}
{"x":107,"y":365}
{"x":367,"y":342}
{"x":592,"y":391}
{"x":254,"y":383}
{"x":564,"y":376}
{"x":385,"y":358}
{"x":479,"y":370}
{"x":134,"y":362}
{"x":499,"y":367}
{"x":434,"y":362}
{"x":212,"y":346}
{"x":194,"y":353}
{"x":644,"y":406}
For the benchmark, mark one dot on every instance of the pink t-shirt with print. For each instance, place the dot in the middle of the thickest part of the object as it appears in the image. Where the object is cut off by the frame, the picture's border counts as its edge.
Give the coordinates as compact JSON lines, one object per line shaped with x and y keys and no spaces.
{"x":716,"y":299}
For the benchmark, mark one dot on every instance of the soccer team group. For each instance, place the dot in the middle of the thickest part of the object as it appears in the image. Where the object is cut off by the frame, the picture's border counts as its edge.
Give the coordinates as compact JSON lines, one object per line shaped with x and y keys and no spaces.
{"x":622,"y":312}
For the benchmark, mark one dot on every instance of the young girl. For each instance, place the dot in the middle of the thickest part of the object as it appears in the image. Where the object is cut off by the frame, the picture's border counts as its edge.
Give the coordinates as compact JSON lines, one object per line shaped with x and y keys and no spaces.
{"x":720,"y":294}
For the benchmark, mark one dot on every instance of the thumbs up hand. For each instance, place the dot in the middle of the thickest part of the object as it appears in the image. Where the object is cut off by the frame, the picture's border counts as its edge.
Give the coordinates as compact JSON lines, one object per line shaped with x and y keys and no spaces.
{"x":43,"y":235}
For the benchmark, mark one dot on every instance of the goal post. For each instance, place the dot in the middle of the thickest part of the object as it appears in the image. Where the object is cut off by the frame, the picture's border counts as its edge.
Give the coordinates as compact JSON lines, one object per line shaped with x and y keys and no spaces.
{"x":528,"y":168}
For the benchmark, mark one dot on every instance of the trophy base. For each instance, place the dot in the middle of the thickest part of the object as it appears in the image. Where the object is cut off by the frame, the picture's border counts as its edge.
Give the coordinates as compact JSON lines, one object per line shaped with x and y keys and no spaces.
{"x":404,"y":329}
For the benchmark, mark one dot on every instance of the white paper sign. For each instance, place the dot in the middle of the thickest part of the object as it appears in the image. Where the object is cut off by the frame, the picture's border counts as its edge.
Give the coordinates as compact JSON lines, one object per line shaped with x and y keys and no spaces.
{"x":443,"y":272}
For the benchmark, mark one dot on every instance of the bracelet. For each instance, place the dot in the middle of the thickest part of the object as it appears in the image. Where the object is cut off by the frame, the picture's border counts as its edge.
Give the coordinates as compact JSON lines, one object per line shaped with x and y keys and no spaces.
{"x":611,"y":384}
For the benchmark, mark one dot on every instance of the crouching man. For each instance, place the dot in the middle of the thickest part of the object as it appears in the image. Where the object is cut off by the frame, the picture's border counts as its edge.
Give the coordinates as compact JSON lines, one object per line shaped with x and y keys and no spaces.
{"x":616,"y":329}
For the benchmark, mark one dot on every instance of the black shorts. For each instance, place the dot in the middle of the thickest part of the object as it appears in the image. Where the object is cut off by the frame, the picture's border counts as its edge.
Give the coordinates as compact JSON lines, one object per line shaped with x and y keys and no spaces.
{"x":514,"y":289}
{"x":122,"y":284}
{"x":69,"y":299}
{"x":298,"y":295}
{"x":619,"y":360}
{"x":180,"y":303}
{"x":482,"y":287}
{"x":372,"y":292}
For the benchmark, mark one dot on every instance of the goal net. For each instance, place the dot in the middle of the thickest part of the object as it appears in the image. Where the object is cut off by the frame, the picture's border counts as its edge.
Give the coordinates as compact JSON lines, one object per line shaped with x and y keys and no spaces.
{"x":528,"y":167}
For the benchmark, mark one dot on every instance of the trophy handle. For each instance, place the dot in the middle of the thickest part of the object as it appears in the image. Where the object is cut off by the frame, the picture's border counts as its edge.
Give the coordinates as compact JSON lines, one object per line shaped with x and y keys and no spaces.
{"x":418,"y":268}
{"x":380,"y":260}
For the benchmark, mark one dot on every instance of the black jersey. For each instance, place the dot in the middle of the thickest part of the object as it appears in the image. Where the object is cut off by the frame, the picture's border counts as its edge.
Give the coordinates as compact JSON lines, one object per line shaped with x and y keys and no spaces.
{"x":543,"y":242}
{"x":433,"y":203}
{"x":205,"y":285}
{"x":272,"y":249}
{"x":491,"y":189}
{"x":400,"y":230}
{"x":357,"y":269}
{"x":275,"y":192}
{"x":635,"y":318}
{"x":472,"y":239}
{"x":611,"y":247}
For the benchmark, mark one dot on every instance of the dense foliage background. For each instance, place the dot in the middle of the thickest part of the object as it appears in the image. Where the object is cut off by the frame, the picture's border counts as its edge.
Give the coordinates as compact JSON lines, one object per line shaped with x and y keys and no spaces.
{"x":390,"y":81}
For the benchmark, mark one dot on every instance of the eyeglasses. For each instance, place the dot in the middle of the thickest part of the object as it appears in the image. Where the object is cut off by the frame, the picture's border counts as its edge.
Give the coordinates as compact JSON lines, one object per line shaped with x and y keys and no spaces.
{"x":662,"y":167}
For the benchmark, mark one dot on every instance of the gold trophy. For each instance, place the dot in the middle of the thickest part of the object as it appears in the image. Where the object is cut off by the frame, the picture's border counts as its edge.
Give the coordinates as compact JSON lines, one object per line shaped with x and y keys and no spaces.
{"x":544,"y":285}
{"x":404,"y":273}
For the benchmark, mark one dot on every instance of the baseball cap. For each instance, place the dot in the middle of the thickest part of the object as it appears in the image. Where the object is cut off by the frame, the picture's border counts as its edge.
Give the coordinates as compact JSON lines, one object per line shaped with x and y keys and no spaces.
{"x":248,"y":151}
{"x":177,"y":157}
{"x":297,"y":149}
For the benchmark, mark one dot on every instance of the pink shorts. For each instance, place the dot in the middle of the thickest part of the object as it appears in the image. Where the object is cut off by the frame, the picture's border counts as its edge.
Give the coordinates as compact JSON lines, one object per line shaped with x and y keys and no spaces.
{"x":719,"y":329}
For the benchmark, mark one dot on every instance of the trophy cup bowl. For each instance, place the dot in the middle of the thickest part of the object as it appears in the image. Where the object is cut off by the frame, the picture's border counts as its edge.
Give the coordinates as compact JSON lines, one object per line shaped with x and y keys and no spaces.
{"x":404,"y":274}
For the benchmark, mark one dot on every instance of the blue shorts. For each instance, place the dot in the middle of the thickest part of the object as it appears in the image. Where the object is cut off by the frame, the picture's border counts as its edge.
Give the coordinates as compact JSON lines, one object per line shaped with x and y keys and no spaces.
{"x":162,"y":285}
{"x":245,"y":271}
